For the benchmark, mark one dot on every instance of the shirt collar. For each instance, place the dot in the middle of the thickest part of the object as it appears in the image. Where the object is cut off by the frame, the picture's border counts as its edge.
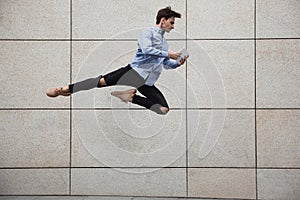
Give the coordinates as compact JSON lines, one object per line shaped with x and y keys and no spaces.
{"x":158,"y":30}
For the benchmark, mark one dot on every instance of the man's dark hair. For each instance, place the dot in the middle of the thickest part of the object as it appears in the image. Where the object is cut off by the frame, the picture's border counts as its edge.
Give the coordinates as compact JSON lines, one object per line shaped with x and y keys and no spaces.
{"x":166,"y":13}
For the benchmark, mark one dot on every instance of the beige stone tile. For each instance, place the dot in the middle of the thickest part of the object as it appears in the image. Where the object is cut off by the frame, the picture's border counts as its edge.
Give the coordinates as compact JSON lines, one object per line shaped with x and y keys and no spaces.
{"x":34,"y":181}
{"x":172,"y":83}
{"x":98,"y":19}
{"x":18,"y":197}
{"x":65,"y":198}
{"x":278,"y":74}
{"x":34,"y":139}
{"x":278,"y":19}
{"x":228,"y":137}
{"x":61,"y":198}
{"x":128,"y":138}
{"x":154,"y":198}
{"x":225,"y":19}
{"x":221,"y":74}
{"x":136,"y":182}
{"x":56,"y":197}
{"x":81,"y":155}
{"x":221,"y":183}
{"x":90,"y":59}
{"x":167,"y":198}
{"x":108,"y":198}
{"x":28,"y":69}
{"x":278,"y":138}
{"x":277,"y":184}
{"x":35,"y":19}
{"x":72,"y":197}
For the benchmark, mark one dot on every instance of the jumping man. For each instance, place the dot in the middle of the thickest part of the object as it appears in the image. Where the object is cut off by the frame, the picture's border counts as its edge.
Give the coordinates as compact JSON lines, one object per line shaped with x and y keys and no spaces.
{"x":142,"y":72}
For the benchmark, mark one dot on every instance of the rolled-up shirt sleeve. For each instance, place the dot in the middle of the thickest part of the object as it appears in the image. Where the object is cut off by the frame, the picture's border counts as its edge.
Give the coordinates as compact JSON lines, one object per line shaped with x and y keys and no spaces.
{"x":145,"y":43}
{"x":170,"y":64}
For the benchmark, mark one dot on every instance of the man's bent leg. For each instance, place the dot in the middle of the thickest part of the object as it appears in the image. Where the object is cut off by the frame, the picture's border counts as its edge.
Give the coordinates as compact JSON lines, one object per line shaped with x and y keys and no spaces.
{"x":126,"y":96}
{"x":155,"y":100}
{"x":145,"y":102}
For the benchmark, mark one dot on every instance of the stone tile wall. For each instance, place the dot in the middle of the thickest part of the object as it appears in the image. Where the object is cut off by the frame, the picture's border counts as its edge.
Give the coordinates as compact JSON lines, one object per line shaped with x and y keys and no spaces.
{"x":232,"y":130}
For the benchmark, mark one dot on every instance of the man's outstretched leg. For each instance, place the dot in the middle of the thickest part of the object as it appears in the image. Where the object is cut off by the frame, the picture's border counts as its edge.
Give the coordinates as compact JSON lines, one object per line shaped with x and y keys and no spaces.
{"x":80,"y":86}
{"x":123,"y":76}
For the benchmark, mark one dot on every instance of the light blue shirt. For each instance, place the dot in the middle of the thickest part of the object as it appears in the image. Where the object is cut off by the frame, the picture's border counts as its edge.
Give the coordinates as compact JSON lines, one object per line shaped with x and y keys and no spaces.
{"x":152,"y":55}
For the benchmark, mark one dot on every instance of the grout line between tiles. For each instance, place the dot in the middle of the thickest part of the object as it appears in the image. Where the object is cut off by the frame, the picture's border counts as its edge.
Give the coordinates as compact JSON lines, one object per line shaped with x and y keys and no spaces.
{"x":134,"y":40}
{"x":115,"y":196}
{"x":71,"y":59}
{"x":154,"y":167}
{"x":140,"y":109}
{"x":77,"y":40}
{"x":228,"y":39}
{"x":255,"y":103}
{"x":186,"y":105}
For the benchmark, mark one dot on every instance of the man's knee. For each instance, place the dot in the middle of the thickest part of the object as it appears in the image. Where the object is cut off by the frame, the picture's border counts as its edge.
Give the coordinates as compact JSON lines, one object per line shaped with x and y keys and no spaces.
{"x":164,"y":110}
{"x":101,"y":82}
{"x":159,"y":109}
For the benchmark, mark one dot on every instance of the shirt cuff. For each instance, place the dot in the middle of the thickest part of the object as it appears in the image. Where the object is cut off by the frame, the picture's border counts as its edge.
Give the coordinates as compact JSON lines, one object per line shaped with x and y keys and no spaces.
{"x":174,"y":64}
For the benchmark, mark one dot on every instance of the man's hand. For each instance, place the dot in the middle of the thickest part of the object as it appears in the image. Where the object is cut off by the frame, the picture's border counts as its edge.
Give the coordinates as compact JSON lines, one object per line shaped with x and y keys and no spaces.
{"x":182,"y":61}
{"x":173,"y":55}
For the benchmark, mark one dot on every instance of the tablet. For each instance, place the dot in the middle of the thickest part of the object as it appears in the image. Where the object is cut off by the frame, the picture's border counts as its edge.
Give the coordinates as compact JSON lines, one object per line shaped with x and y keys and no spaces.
{"x":183,"y":54}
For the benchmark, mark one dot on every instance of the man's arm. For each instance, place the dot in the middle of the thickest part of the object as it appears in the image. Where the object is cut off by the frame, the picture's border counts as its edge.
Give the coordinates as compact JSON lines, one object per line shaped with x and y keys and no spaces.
{"x":145,"y":43}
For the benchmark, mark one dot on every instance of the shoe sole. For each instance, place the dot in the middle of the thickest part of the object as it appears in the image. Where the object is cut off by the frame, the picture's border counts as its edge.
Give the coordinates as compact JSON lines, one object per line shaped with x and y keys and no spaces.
{"x":56,"y":94}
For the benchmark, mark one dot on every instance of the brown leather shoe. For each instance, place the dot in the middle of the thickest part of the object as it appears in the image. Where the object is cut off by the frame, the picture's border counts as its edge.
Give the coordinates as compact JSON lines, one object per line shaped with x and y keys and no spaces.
{"x":54,"y":92}
{"x":125,"y":96}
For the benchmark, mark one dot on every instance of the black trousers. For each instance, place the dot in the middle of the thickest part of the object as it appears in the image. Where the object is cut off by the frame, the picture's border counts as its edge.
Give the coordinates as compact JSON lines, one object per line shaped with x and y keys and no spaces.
{"x":153,"y":99}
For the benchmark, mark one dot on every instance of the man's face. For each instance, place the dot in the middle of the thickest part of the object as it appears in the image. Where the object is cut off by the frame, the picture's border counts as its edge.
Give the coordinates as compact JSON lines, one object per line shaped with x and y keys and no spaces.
{"x":168,"y":25}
